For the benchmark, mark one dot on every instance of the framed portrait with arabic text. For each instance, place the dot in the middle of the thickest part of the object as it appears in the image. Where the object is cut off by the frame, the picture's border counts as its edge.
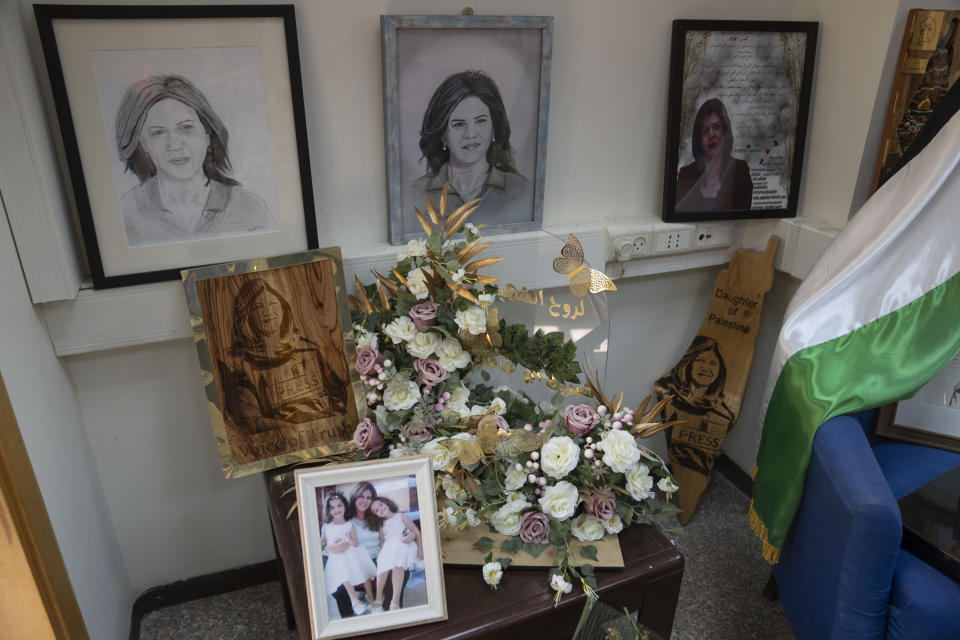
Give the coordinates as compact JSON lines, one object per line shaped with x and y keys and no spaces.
{"x":184,"y":134}
{"x":737,"y":118}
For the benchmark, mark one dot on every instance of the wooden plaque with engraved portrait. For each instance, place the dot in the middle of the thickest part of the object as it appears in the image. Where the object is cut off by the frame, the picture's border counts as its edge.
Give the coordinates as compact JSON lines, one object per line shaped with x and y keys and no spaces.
{"x":274,"y":342}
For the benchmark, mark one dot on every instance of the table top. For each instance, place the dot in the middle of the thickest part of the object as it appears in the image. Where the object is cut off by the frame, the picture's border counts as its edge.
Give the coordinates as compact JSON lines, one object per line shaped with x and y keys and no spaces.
{"x":524,"y":601}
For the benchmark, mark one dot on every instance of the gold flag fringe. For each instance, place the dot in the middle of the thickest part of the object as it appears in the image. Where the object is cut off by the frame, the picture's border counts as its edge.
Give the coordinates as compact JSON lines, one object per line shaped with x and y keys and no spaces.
{"x":770,"y":553}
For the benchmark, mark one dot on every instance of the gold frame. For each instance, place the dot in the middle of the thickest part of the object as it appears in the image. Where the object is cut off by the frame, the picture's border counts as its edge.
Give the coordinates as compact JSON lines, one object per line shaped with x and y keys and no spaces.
{"x":190,"y":277}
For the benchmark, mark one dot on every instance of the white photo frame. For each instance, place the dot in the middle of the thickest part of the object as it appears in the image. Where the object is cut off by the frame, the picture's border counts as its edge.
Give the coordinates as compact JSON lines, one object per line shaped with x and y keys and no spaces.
{"x":315,"y":485}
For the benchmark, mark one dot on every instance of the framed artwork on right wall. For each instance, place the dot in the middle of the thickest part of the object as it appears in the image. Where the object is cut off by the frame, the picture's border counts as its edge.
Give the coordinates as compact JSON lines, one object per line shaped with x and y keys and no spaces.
{"x":737,"y":118}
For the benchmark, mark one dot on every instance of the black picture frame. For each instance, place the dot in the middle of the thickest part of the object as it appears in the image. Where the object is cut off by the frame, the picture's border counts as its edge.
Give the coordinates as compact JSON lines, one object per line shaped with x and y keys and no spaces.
{"x":761,"y":73}
{"x":280,"y":217}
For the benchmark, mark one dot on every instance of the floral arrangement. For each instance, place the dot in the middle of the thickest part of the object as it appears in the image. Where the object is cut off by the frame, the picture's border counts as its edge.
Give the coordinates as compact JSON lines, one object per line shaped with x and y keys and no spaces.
{"x":539,"y":473}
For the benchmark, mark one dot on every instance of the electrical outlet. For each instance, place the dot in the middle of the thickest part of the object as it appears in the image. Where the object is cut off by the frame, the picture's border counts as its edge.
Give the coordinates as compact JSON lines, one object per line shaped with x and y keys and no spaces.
{"x":669,"y":241}
{"x":641,"y":244}
{"x":629,"y":246}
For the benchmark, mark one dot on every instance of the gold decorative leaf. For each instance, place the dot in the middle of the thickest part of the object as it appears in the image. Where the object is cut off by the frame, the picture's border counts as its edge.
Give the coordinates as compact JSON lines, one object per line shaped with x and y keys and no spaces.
{"x":486,"y":279}
{"x":427,"y":229}
{"x":443,"y":198}
{"x":463,"y":293}
{"x":471,"y":250}
{"x":432,"y":211}
{"x":362,"y":294}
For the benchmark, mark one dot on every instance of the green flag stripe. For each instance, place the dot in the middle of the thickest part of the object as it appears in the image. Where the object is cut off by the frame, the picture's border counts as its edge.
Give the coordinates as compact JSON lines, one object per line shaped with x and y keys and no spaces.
{"x":883,"y":361}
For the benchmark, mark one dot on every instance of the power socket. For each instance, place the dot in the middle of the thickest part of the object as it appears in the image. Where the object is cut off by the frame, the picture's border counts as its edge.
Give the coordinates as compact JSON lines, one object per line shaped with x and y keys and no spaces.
{"x":631,"y":246}
{"x":671,"y":240}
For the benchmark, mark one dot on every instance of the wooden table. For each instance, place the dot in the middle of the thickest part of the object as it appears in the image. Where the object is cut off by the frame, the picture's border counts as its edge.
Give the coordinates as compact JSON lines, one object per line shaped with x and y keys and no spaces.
{"x":522,"y":607}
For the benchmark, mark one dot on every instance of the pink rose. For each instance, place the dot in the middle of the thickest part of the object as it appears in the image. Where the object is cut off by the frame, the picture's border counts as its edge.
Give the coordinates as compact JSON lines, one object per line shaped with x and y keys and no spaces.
{"x":368,"y":359}
{"x":601,"y":505}
{"x":424,"y":314}
{"x":417,"y":431}
{"x":431,"y":371}
{"x":535,"y":527}
{"x":368,"y":437}
{"x":579,"y":419}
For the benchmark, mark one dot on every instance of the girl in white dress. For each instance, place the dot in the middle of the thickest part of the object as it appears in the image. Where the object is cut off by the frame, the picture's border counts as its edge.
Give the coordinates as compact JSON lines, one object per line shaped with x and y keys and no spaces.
{"x":401,"y":548}
{"x":347,"y":563}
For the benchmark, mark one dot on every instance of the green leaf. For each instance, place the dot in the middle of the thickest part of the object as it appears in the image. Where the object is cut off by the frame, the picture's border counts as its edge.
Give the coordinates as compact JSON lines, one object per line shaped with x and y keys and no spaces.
{"x":510,"y":545}
{"x":534,"y":549}
{"x":504,"y":562}
{"x":489,"y":558}
{"x":589,"y":551}
{"x":484,"y":544}
{"x":485,"y":375}
{"x":588,"y":576}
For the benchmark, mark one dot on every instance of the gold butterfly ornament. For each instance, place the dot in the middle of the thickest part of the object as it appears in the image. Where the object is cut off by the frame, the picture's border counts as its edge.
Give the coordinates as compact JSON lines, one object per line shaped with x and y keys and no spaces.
{"x":583,"y":278}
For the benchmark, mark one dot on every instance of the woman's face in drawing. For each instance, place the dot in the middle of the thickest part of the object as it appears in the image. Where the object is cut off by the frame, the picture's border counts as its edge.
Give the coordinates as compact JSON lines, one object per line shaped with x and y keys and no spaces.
{"x":711,"y":136}
{"x":266,"y":315}
{"x":469,"y":132}
{"x":174,"y":138}
{"x":380,"y":509}
{"x":336,"y":508}
{"x":705,"y":368}
{"x":362,"y":503}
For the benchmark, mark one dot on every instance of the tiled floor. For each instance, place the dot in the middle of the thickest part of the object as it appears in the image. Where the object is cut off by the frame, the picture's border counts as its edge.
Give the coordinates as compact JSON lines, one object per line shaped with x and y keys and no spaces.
{"x":719,"y":599}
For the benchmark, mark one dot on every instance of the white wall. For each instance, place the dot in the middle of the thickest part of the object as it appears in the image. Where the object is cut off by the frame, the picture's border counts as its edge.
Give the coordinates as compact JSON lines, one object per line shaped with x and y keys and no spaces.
{"x":146,"y":423}
{"x":53,"y":431}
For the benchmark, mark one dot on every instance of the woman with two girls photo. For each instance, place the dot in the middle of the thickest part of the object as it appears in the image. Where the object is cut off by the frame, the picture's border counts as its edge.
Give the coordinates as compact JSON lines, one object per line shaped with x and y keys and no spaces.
{"x":373,"y":550}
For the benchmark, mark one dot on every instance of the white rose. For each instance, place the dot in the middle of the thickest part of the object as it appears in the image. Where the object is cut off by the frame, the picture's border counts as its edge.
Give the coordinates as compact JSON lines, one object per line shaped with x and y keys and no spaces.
{"x":453,"y":489}
{"x":400,"y":395}
{"x":506,"y":520}
{"x":620,"y":450}
{"x":450,"y":516}
{"x":458,"y":399}
{"x":499,"y":406}
{"x":667,"y":485}
{"x":587,"y":528}
{"x":424,"y":344}
{"x":486,"y":298}
{"x":492,"y":573}
{"x":414,"y":249}
{"x":441,"y":455}
{"x":400,"y":452}
{"x":366,"y":338}
{"x":639,"y":482}
{"x":472,"y":320}
{"x":557,"y":583}
{"x":401,"y":329}
{"x":560,"y":500}
{"x":514,"y":479}
{"x":613,"y":525}
{"x":451,"y":355}
{"x":417,"y":284}
{"x":559,"y":456}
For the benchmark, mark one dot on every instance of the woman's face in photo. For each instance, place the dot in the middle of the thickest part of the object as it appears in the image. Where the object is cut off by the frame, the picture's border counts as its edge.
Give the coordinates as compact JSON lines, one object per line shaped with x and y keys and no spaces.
{"x":711,"y":136}
{"x":174,"y":138}
{"x":469,"y":132}
{"x":705,"y":368}
{"x":362,"y":503}
{"x":266,"y":315}
{"x":380,"y":509}
{"x":337,"y":508}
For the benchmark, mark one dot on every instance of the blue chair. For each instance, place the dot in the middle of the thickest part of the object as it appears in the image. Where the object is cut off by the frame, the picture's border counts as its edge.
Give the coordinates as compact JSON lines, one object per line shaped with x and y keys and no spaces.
{"x":842,"y":572}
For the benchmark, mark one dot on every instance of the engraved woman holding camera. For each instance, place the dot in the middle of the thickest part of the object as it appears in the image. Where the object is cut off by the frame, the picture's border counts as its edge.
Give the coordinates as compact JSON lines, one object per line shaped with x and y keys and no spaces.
{"x":169,"y":136}
{"x":696,"y":384}
{"x":273,"y":377}
{"x":465,"y":139}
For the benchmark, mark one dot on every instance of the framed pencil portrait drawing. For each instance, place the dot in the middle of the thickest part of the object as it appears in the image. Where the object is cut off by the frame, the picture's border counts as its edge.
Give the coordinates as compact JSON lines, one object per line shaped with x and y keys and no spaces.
{"x":184,"y":133}
{"x":275,"y":345}
{"x":371,"y":547}
{"x":737,"y":118}
{"x":465,"y":101}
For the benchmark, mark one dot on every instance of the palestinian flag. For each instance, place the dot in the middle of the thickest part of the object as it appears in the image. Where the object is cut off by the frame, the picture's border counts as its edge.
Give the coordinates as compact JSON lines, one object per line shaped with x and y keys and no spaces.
{"x":876,"y":318}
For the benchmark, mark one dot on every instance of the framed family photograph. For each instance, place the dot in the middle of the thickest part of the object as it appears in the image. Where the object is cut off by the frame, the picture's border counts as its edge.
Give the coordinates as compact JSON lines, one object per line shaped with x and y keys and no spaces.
{"x":465,"y":102}
{"x":184,"y":134}
{"x":931,"y":416}
{"x":370,"y":546}
{"x":275,"y":345}
{"x":737,"y":118}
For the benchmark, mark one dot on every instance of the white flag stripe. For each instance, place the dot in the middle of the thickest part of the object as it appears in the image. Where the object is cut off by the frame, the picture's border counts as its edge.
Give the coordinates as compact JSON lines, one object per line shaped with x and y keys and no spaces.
{"x":902,"y":243}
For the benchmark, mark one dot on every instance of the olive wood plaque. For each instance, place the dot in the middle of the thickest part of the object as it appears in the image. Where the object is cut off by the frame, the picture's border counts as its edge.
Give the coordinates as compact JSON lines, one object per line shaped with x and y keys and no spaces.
{"x":708,"y":382}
